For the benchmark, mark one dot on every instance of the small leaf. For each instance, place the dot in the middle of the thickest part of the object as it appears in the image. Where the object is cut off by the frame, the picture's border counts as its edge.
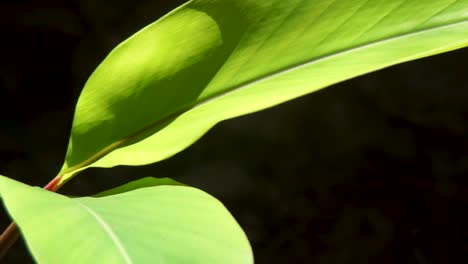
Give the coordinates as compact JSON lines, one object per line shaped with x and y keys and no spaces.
{"x":140,"y":183}
{"x":156,"y":224}
{"x":211,"y":60}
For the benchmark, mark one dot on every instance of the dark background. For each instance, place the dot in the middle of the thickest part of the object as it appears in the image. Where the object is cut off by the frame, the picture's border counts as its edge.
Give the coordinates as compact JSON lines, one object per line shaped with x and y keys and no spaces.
{"x":372,"y":170}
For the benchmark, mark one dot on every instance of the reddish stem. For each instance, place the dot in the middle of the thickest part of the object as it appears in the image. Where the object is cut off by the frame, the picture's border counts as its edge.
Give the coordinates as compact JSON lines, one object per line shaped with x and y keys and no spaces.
{"x":8,"y":238}
{"x":52,"y":185}
{"x":11,"y":234}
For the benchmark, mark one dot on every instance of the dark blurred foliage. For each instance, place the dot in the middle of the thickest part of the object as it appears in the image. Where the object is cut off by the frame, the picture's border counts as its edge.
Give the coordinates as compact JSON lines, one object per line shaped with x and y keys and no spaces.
{"x":372,"y":170}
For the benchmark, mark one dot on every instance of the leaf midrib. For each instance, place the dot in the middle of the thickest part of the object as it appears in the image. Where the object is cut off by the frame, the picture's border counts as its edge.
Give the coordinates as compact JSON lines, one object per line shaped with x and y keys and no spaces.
{"x":108,"y":230}
{"x":119,"y":143}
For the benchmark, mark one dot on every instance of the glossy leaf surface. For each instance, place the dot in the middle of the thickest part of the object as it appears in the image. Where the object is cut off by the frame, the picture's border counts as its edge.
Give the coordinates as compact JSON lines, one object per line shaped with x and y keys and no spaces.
{"x":155,"y":224}
{"x":211,"y":60}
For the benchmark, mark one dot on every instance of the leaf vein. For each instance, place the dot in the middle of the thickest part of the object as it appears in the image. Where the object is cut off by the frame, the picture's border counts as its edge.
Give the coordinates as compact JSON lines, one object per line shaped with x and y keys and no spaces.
{"x":378,"y":21}
{"x":108,"y":230}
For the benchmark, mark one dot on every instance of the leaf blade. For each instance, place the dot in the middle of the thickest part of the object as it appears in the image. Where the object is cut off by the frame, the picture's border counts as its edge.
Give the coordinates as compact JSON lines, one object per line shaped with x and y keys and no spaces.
{"x":163,"y":224}
{"x":140,"y":183}
{"x":338,"y":41}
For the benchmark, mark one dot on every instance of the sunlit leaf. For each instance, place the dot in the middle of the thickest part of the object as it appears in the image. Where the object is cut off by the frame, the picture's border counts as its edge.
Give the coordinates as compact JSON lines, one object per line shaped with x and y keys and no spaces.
{"x":154,"y":224}
{"x":211,"y":60}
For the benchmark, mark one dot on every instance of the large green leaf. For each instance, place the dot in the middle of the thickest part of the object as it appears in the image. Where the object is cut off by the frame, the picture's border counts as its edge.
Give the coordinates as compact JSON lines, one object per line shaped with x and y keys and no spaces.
{"x":156,"y":224}
{"x":210,"y":60}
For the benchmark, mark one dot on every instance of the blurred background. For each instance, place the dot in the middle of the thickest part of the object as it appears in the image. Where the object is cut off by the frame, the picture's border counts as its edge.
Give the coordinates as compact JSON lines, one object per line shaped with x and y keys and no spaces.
{"x":372,"y":170}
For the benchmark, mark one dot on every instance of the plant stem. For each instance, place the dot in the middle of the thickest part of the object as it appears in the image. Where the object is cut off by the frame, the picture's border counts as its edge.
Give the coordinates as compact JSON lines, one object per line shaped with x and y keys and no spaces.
{"x":11,"y":234}
{"x":53,"y":185}
{"x":8,"y":238}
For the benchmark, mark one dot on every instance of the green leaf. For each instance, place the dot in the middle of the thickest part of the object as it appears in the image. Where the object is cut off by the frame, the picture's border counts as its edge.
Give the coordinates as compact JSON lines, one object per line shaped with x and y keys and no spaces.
{"x":157,"y":224}
{"x":140,"y":183}
{"x":211,"y":60}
